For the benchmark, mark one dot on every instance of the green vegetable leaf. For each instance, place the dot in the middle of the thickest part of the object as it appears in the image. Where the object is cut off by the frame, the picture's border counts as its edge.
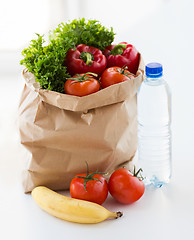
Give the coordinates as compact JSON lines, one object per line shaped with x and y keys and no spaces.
{"x":91,"y":33}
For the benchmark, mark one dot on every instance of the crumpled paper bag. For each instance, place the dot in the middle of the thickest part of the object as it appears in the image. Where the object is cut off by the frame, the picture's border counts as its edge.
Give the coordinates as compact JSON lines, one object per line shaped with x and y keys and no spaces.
{"x":61,"y":132}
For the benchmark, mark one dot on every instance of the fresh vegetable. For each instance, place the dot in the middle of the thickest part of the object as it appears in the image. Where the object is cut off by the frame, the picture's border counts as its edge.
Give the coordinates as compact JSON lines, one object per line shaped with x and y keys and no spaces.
{"x":91,"y":187}
{"x":82,"y":84}
{"x":85,"y":59}
{"x":126,"y":187}
{"x":115,"y":75}
{"x":90,"y":32}
{"x":122,"y":54}
{"x":70,"y":209}
{"x":46,"y":60}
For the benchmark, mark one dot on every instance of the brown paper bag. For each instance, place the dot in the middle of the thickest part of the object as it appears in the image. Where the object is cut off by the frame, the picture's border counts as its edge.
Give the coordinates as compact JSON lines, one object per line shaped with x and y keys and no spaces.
{"x":61,"y":131}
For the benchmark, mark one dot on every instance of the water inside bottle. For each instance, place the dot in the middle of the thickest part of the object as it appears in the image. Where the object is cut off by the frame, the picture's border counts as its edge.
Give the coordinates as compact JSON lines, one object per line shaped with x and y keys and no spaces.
{"x":154,"y":133}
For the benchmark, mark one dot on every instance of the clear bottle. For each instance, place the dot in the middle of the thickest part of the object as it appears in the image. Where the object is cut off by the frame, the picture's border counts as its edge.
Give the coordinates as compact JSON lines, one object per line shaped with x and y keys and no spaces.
{"x":154,"y":127}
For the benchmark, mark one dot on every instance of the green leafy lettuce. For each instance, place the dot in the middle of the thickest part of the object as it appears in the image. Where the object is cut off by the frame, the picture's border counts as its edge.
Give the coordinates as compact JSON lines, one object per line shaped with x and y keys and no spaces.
{"x":47,"y":62}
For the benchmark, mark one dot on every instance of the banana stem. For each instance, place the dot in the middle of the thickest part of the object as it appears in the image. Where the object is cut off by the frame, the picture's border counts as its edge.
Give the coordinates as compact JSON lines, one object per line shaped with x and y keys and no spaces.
{"x":115,"y":214}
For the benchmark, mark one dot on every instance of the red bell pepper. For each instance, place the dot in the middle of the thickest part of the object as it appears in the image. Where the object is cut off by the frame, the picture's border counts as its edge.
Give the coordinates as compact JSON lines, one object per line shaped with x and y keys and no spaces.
{"x":85,"y":59}
{"x":121,"y":55}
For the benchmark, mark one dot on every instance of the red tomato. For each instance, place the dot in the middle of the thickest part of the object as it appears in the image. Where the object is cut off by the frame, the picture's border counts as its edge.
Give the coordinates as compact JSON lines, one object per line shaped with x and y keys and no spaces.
{"x":82,"y":84}
{"x":95,"y":189}
{"x":115,"y":75}
{"x":125,"y":187}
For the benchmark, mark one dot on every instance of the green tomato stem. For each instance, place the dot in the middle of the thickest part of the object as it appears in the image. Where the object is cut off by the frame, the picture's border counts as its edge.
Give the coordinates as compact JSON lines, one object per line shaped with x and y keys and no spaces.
{"x":90,"y":177}
{"x":135,"y":174}
{"x":83,"y":78}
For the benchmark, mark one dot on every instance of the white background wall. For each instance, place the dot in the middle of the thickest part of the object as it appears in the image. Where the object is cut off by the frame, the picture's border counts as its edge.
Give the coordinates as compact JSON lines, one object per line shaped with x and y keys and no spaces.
{"x":20,"y":19}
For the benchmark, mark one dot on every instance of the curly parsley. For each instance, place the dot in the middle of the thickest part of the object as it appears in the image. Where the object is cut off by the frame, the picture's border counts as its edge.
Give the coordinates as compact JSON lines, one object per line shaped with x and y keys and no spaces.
{"x":47,"y":62}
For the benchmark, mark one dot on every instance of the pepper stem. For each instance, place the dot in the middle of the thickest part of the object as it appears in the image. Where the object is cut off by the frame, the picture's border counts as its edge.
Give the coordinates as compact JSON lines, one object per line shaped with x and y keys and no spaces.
{"x":87,"y":57}
{"x":118,"y":49}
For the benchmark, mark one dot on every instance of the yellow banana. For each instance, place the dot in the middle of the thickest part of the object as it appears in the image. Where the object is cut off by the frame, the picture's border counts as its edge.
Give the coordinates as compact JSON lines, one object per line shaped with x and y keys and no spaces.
{"x":70,"y":209}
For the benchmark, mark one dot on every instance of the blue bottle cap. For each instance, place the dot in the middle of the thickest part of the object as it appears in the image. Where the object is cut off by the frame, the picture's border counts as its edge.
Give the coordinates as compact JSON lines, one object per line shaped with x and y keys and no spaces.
{"x":154,"y":70}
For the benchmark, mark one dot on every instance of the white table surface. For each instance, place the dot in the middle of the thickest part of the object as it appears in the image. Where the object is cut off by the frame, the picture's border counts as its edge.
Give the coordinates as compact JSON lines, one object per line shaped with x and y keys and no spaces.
{"x":165,"y":213}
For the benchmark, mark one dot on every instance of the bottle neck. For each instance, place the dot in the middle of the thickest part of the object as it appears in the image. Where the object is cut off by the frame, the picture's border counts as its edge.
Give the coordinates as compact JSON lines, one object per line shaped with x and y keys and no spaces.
{"x":154,"y":77}
{"x":154,"y":80}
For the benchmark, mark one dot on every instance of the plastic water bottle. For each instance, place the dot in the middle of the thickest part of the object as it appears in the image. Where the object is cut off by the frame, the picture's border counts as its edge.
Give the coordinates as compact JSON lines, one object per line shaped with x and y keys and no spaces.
{"x":154,"y":127}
